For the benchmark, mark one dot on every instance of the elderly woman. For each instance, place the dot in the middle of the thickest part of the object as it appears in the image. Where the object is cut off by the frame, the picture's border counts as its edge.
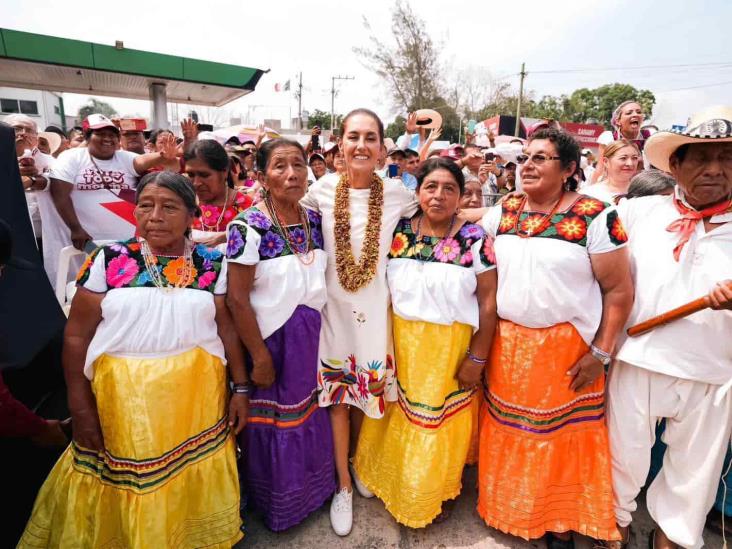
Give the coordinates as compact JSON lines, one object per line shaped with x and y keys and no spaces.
{"x":92,"y":189}
{"x":620,"y":162}
{"x":152,"y":463}
{"x":277,"y":290}
{"x":360,"y":212}
{"x":544,"y":461}
{"x":442,"y":281}
{"x":627,"y":121}
{"x":208,"y":167}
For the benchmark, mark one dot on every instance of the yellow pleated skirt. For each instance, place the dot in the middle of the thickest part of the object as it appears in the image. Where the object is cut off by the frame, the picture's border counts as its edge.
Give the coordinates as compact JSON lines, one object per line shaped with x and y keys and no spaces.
{"x":168,"y":476}
{"x":413,"y":457}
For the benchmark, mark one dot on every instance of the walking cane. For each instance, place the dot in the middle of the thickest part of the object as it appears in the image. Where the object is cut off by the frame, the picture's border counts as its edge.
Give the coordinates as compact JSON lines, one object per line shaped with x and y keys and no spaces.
{"x":669,"y":316}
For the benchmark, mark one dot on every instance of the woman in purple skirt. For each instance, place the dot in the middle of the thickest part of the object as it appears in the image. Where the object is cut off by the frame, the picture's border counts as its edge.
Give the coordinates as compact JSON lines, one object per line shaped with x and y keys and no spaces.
{"x":276,"y":291}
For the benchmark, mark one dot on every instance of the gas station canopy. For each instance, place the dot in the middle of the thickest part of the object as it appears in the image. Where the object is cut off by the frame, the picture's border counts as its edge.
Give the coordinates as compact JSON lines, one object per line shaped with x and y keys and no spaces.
{"x":59,"y":64}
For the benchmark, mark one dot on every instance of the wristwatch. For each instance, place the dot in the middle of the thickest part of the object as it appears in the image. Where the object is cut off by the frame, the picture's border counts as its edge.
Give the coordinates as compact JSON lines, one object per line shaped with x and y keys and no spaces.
{"x":604,"y":358}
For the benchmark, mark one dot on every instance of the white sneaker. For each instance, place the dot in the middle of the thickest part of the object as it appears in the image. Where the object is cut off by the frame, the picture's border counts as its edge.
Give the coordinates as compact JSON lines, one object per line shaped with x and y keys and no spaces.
{"x":341,"y":512}
{"x":360,"y":486}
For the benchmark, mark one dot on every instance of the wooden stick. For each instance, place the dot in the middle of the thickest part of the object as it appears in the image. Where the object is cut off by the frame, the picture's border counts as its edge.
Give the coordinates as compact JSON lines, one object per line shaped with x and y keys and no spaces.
{"x":669,"y":316}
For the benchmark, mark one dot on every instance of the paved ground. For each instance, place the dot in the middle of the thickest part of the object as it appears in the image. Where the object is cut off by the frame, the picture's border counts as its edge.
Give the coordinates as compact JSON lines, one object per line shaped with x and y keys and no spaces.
{"x":374,"y":528}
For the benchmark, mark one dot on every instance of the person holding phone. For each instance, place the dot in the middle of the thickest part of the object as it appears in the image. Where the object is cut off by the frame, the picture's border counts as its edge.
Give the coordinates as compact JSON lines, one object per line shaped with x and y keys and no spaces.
{"x":396,"y":168}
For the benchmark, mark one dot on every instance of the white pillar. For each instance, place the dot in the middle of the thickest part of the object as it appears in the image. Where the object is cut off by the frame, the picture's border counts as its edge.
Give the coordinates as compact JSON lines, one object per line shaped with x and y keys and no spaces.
{"x":159,"y":99}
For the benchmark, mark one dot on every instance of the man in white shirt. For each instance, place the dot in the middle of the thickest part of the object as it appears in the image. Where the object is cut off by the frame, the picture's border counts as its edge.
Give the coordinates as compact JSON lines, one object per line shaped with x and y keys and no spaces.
{"x":681,"y":249}
{"x":34,"y":165}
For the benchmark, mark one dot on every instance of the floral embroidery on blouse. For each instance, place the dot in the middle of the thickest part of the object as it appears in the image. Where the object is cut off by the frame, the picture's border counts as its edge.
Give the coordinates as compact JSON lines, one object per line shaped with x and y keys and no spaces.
{"x":124,"y":267}
{"x":210,"y":214}
{"x":454,"y":250}
{"x":360,"y":382}
{"x":272,"y":243}
{"x":617,"y":231}
{"x":569,"y":226}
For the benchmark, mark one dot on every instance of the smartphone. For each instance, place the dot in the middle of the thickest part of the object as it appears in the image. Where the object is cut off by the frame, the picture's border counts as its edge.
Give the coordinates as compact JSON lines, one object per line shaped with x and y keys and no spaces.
{"x":316,"y":142}
{"x":471,"y":126}
{"x":489,"y":156}
{"x":393,"y":170}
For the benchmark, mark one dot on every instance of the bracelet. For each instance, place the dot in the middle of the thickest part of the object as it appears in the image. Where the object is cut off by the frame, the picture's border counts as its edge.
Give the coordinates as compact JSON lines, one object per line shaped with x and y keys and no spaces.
{"x":240,"y":388}
{"x":602,"y":356}
{"x":475,"y":359}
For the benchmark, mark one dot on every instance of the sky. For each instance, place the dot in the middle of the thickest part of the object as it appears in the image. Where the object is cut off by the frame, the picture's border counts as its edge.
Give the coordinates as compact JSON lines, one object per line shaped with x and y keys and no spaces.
{"x":600,"y":42}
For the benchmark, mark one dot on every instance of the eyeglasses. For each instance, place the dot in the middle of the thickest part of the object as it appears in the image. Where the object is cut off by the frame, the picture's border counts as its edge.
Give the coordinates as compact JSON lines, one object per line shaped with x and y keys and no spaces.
{"x":22,"y":129}
{"x":537,"y":159}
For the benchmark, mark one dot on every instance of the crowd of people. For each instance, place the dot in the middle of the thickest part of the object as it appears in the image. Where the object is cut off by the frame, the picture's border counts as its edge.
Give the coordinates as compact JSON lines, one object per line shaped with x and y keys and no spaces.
{"x":278,"y":325}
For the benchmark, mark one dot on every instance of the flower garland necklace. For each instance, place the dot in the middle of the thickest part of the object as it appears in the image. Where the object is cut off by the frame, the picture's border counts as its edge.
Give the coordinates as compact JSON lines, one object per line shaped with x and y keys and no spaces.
{"x":306,"y":257}
{"x":151,"y":262}
{"x":221,"y":215}
{"x":543,"y":223}
{"x":351,"y":275}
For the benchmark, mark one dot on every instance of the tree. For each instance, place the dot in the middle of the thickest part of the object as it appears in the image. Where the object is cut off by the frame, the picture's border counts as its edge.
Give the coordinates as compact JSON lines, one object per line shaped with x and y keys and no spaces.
{"x":95,"y":106}
{"x":598,"y":104}
{"x":410,"y":66}
{"x":396,"y":128}
{"x":322,"y":119}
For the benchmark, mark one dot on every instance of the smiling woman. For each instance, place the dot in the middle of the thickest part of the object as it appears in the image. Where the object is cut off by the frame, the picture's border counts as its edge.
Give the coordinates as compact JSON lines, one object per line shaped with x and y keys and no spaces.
{"x":544,"y":459}
{"x":356,"y":368}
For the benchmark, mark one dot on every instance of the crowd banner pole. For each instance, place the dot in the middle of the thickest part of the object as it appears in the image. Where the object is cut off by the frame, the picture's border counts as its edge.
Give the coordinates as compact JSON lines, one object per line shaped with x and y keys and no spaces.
{"x":520,"y":96}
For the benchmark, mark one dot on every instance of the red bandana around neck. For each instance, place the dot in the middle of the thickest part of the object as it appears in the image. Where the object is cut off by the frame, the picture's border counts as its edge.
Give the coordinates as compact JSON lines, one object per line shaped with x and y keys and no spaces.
{"x":686,"y":224}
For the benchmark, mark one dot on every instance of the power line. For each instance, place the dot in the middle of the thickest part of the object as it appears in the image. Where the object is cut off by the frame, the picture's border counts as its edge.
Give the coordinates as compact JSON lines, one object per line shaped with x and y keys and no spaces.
{"x":645,"y":67}
{"x":698,"y":87}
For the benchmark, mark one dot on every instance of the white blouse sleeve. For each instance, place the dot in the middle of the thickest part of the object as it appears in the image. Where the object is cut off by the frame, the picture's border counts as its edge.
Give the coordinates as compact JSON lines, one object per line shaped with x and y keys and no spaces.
{"x":409,"y":203}
{"x":242,"y":244}
{"x":221,"y":281}
{"x":491,"y":220}
{"x":484,"y":258}
{"x":606,"y":232}
{"x":310,"y":200}
{"x":92,"y":275}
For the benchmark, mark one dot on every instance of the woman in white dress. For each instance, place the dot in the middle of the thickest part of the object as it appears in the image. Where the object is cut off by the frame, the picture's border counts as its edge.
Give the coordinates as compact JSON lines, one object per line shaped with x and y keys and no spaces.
{"x":359,"y":214}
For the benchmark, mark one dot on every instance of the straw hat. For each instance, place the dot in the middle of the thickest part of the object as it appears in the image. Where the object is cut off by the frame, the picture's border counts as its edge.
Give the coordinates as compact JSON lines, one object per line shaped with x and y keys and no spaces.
{"x":429,"y":119}
{"x":54,"y":140}
{"x":713,"y":125}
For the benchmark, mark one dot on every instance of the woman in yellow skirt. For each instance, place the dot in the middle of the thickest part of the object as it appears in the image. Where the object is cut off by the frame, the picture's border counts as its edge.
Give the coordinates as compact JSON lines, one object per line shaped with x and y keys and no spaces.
{"x":442,"y":282}
{"x":152,"y":462}
{"x":564,"y":293}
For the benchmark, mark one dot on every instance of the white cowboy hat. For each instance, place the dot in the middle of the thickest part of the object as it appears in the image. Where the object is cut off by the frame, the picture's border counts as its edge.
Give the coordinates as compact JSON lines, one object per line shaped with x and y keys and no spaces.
{"x":713,"y":125}
{"x":428,"y":118}
{"x":54,"y":140}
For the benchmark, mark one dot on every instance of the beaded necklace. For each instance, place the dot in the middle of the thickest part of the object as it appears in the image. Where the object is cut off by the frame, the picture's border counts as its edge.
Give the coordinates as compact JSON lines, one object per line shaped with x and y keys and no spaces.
{"x":151,"y":262}
{"x":543,"y":224}
{"x":306,"y":257}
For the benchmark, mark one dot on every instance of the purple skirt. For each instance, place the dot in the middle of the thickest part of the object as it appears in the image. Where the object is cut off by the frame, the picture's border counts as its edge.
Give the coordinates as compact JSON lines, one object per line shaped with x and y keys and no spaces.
{"x":290,"y":471}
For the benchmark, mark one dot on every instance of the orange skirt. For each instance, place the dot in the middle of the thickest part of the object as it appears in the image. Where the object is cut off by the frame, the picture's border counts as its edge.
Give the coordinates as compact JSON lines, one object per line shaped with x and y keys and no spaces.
{"x":544,"y":463}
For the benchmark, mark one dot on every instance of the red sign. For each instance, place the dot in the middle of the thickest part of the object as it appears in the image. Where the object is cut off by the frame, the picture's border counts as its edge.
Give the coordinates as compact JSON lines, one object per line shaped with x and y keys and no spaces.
{"x":586,"y":134}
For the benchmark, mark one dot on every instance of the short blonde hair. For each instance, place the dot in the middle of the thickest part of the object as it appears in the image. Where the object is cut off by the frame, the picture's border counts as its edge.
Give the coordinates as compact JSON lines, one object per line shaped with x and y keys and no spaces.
{"x":612,"y":148}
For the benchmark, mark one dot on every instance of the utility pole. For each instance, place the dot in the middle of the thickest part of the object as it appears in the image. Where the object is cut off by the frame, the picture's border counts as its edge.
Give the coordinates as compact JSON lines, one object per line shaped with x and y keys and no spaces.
{"x":299,"y":104}
{"x":521,"y":93}
{"x":332,"y":97}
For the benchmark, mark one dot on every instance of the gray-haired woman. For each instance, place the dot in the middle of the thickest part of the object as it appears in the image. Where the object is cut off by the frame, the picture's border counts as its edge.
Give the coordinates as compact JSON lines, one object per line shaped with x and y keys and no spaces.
{"x":152,"y":461}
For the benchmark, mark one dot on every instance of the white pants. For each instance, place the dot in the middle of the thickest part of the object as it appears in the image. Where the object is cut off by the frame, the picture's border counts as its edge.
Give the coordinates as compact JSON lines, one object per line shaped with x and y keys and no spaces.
{"x":697,"y":434}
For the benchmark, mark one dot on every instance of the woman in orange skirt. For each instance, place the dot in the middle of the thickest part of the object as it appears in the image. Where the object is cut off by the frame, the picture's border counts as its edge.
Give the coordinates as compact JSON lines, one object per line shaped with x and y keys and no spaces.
{"x":544,"y":465}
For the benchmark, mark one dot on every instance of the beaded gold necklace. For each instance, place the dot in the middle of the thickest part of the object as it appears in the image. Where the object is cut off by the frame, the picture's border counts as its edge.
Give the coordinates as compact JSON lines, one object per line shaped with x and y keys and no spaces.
{"x":353,"y":276}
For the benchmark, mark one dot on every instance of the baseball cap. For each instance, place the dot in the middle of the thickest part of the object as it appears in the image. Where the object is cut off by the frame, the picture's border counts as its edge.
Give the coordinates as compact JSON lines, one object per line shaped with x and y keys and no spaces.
{"x":329,"y":146}
{"x":453,"y":152}
{"x":396,"y":150}
{"x":585,"y":152}
{"x":316,"y":156}
{"x":97,"y":122}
